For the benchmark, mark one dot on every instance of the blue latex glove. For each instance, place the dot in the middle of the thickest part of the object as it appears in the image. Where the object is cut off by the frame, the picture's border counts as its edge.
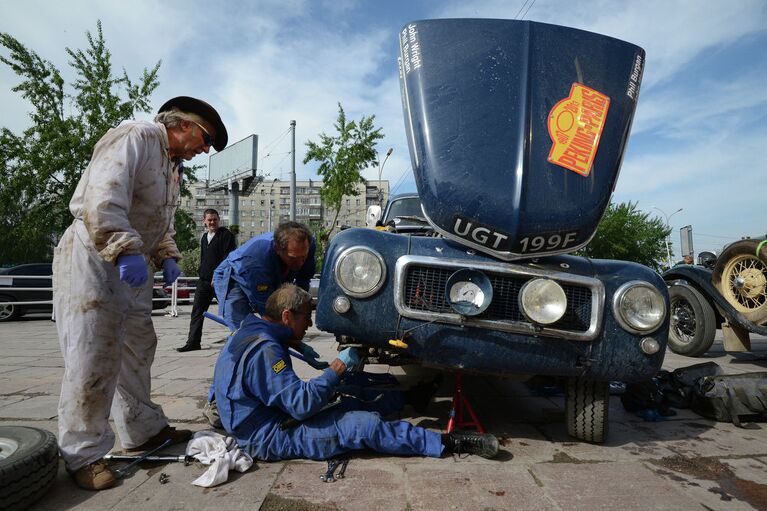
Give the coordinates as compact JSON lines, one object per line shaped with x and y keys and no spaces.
{"x":170,"y":271}
{"x":312,"y":358}
{"x":349,"y":357}
{"x":133,"y":269}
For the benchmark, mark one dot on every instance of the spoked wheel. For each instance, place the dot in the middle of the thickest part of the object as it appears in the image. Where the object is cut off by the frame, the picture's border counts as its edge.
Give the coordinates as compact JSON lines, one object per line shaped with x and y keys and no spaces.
{"x":693,"y":323}
{"x":741,"y":277}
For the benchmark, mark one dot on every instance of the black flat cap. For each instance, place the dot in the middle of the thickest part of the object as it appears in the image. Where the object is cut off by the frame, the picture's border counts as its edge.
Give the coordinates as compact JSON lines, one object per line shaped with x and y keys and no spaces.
{"x":204,"y":110}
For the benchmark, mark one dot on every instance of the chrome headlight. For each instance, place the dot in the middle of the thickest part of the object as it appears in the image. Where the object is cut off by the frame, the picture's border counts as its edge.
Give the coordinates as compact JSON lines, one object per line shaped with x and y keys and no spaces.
{"x":639,"y":307}
{"x":542,"y":301}
{"x":360,"y":271}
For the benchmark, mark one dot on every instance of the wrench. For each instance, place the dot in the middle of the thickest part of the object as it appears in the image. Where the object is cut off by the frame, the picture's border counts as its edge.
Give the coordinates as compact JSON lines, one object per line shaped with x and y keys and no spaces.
{"x":327,"y":477}
{"x":122,"y":472}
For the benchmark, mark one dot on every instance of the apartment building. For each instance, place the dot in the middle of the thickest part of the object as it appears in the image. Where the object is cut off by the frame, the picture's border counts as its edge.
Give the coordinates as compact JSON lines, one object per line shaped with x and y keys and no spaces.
{"x":266,"y":204}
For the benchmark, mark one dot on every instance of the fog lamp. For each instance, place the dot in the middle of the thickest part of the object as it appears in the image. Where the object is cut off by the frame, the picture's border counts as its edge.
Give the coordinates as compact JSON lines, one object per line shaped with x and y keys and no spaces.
{"x":341,"y":304}
{"x":649,"y":346}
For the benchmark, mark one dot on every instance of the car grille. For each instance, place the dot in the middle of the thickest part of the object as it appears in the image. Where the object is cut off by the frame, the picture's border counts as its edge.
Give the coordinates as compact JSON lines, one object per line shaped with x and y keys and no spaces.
{"x":422,"y":295}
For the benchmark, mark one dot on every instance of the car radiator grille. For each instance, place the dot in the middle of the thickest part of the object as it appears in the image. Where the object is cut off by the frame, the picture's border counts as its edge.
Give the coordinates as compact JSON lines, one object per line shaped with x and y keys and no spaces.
{"x":424,"y":290}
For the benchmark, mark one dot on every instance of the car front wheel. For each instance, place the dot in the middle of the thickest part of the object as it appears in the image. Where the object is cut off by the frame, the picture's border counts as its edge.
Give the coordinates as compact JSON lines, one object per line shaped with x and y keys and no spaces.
{"x":8,"y":311}
{"x":693,"y":322}
{"x":586,"y":406}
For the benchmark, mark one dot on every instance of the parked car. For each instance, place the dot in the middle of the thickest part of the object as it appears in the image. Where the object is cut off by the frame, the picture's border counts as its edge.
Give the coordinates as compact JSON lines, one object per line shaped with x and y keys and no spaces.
{"x":314,"y":289}
{"x":513,"y":171}
{"x":403,"y":214}
{"x":183,"y":288}
{"x":728,"y":292}
{"x":40,"y":274}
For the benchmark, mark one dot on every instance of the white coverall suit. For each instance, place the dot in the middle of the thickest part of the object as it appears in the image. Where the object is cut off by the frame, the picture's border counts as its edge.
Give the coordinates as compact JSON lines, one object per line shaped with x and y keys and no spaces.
{"x":124,"y":204}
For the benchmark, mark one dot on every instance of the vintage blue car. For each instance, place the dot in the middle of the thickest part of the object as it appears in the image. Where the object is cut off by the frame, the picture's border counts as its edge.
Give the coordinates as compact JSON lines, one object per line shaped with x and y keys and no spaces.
{"x":516,"y":132}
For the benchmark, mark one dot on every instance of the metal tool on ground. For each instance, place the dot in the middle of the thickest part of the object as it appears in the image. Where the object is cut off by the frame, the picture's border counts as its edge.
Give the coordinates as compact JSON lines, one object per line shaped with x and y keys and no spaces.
{"x":186,"y":460}
{"x":164,"y":478}
{"x":334,"y":464}
{"x":122,"y":472}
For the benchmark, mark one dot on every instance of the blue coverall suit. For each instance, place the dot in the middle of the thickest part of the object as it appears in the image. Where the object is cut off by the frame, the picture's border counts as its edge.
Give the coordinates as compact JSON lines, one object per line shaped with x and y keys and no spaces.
{"x":257,"y":389}
{"x":246,"y":278}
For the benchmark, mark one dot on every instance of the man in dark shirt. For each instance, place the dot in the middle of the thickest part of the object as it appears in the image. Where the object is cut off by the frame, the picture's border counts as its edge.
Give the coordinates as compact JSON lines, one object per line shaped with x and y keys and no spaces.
{"x":215,"y":245}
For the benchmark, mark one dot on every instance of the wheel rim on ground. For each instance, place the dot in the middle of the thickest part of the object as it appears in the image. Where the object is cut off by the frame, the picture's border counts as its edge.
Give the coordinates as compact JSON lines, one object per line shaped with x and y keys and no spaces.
{"x":8,"y":446}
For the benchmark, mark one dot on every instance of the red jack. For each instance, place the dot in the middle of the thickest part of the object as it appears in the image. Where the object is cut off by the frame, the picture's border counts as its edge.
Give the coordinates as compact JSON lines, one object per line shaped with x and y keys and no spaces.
{"x":460,"y":402}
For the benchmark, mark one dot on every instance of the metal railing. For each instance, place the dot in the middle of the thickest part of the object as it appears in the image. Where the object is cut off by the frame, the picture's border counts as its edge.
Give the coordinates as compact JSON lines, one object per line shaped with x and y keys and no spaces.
{"x":180,"y":292}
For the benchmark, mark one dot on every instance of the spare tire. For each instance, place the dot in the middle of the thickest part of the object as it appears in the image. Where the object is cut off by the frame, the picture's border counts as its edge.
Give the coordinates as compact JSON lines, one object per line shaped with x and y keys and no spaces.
{"x":29,"y":460}
{"x":741,"y":277}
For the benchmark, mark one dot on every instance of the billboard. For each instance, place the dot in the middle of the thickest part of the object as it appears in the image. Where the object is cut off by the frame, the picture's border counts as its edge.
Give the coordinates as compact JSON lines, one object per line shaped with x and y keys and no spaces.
{"x":236,"y":161}
{"x":685,"y":233}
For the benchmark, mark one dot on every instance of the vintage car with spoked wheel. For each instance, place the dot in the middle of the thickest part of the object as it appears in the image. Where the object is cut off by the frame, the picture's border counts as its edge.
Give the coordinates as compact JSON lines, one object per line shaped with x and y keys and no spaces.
{"x":731,"y":295}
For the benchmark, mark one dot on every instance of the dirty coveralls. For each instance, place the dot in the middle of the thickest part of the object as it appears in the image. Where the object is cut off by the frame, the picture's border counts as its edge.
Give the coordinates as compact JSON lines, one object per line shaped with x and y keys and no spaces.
{"x":257,"y":389}
{"x":124,"y":204}
{"x":246,"y":278}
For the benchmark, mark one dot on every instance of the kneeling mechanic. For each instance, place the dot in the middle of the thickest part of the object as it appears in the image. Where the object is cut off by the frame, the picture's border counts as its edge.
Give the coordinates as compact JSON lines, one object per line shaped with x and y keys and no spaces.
{"x":257,"y":391}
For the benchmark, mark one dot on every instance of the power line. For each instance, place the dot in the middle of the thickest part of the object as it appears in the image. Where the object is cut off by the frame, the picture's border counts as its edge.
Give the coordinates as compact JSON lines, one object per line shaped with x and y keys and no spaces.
{"x":522,"y":7}
{"x":525,"y":14}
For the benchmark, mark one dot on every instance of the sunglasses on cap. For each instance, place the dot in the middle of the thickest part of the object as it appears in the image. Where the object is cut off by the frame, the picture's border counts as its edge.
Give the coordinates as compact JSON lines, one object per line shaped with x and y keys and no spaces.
{"x":206,"y":138}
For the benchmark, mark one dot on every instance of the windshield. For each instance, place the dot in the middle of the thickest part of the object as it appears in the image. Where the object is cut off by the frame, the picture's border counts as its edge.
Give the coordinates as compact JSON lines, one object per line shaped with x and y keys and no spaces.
{"x":406,"y":207}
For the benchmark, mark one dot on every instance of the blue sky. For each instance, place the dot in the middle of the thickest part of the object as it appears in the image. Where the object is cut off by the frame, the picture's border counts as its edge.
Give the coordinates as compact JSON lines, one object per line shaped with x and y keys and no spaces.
{"x":697,"y":140}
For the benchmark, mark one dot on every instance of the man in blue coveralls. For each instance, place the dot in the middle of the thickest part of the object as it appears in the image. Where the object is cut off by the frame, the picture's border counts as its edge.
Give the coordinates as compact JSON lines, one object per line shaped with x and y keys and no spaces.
{"x":258,"y":392}
{"x":246,"y":278}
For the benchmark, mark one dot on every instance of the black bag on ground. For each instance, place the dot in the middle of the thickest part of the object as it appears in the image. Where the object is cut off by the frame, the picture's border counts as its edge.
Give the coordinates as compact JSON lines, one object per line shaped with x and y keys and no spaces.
{"x":647,"y":395}
{"x":683,"y":380}
{"x":732,"y":397}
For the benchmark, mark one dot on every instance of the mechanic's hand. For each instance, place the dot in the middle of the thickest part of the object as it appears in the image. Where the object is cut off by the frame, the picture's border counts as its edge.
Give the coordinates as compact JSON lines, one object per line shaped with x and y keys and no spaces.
{"x":349,"y":357}
{"x":170,"y":271}
{"x":312,"y":357}
{"x":133,"y":269}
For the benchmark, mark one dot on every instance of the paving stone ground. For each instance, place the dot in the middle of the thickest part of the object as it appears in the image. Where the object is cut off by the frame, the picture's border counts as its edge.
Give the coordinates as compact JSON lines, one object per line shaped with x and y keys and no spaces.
{"x":685,"y":462}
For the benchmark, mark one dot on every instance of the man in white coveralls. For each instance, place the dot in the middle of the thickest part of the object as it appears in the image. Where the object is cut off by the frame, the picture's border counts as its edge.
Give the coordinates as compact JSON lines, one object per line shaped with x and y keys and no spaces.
{"x":124,"y":207}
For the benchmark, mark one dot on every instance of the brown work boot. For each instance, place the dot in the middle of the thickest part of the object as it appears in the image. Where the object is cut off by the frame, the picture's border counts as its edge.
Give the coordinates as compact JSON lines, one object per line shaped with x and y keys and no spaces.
{"x":176,"y":436}
{"x":96,"y":476}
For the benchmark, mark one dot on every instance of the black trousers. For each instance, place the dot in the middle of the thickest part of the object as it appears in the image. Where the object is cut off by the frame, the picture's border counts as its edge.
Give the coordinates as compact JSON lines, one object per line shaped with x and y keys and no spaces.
{"x":203,"y":296}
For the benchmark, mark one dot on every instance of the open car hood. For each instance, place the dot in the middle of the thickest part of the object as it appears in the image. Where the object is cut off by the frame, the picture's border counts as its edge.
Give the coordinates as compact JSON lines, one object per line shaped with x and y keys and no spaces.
{"x":516,"y":129}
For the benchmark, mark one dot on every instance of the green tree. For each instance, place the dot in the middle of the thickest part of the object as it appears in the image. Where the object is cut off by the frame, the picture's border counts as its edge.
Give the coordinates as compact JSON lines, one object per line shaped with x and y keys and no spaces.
{"x":190,"y":262}
{"x":40,"y":168}
{"x":342,"y":158}
{"x":629,"y":234}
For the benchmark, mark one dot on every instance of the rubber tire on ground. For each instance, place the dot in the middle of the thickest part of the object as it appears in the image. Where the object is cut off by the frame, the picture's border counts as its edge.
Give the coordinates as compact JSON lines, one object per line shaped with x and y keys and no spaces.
{"x":15,"y":311}
{"x":685,"y":299}
{"x":741,"y":252}
{"x":586,"y":409}
{"x":29,"y":471}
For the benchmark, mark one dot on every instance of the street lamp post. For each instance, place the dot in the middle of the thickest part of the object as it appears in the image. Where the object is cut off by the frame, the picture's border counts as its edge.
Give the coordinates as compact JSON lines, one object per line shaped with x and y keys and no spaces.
{"x":668,"y":225}
{"x":380,"y":169}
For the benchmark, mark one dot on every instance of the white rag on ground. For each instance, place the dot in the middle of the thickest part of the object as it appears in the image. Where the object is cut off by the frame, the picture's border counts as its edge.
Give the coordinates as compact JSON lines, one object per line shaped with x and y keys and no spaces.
{"x":208,"y":447}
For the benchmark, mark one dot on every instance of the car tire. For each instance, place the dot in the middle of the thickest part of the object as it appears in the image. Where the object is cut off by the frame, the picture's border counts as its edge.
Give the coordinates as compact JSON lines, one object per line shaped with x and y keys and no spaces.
{"x":693,"y":321}
{"x":29,"y":461}
{"x":741,"y":277}
{"x":8,"y":312}
{"x":586,"y":409}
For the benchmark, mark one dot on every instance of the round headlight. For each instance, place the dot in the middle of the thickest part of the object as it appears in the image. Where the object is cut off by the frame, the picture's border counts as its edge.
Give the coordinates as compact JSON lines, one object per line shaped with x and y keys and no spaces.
{"x":542,"y":301}
{"x":360,"y":271}
{"x":639,"y":307}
